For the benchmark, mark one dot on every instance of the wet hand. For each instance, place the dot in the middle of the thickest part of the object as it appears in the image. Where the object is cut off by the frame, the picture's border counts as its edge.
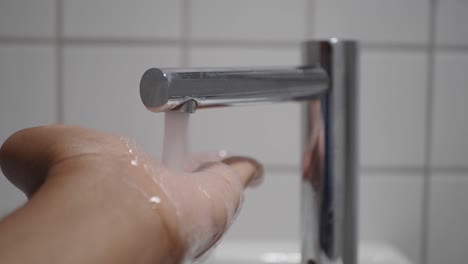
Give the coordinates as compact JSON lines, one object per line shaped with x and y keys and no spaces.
{"x":80,"y":179}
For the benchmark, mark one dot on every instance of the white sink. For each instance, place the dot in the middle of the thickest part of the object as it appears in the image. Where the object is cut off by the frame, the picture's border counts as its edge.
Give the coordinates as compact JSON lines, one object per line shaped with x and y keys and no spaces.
{"x":262,"y":252}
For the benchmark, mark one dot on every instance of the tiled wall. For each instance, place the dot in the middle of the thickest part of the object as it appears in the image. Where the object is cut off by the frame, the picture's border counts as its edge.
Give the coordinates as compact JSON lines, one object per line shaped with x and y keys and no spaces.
{"x":80,"y":61}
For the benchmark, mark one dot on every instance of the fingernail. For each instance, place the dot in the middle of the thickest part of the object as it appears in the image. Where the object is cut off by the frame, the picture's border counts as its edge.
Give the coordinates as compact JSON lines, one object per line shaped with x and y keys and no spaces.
{"x":257,"y":179}
{"x":249,"y":166}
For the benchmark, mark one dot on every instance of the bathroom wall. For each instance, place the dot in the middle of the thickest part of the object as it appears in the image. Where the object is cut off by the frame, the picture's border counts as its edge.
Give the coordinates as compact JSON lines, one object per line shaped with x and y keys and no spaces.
{"x":79,"y":62}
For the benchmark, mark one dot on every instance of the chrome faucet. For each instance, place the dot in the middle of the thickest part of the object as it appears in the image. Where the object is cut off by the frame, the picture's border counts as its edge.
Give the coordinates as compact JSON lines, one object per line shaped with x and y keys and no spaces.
{"x":326,"y":86}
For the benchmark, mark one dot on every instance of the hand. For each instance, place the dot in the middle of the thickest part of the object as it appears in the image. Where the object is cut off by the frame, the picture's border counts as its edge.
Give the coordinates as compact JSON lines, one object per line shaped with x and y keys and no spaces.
{"x":97,"y":198}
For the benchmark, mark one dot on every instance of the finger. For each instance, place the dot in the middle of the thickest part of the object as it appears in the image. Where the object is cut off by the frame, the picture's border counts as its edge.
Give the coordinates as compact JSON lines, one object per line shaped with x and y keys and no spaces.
{"x":25,"y":153}
{"x":223,"y":184}
{"x":249,"y":170}
{"x":194,"y":161}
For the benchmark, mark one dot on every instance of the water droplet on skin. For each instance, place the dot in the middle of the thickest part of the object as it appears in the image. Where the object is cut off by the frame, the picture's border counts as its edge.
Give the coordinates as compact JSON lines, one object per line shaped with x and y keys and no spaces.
{"x":222,"y":153}
{"x":154,"y":199}
{"x":204,"y":192}
{"x":134,"y":162}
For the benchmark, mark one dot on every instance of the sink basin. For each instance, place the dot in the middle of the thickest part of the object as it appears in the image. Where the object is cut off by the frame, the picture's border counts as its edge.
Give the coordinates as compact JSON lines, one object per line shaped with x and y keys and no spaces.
{"x":262,"y":252}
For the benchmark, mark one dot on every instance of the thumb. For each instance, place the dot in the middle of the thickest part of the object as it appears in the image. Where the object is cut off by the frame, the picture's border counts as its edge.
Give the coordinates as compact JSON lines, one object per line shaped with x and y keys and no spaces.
{"x":249,"y":170}
{"x":223,"y":183}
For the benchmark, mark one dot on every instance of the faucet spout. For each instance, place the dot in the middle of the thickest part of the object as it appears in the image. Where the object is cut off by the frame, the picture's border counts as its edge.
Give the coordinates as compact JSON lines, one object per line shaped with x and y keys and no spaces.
{"x":176,"y":89}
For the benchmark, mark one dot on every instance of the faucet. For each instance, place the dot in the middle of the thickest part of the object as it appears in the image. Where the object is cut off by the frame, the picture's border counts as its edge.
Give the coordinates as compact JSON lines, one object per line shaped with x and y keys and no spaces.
{"x":326,"y":87}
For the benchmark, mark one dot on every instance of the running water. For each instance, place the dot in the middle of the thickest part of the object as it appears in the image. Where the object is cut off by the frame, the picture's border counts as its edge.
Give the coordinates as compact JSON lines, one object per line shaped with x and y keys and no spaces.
{"x":175,"y":139}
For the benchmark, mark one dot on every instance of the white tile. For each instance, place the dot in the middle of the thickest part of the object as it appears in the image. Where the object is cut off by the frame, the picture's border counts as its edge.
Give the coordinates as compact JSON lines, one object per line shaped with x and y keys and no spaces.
{"x":27,"y":98}
{"x":269,"y":132}
{"x":27,"y":18}
{"x":381,"y":21}
{"x":448,"y":215}
{"x":277,"y":20}
{"x":390,"y":211}
{"x":102,"y":90}
{"x":27,"y":88}
{"x":452,"y":21}
{"x":450,"y":136}
{"x":122,"y":19}
{"x":270,"y":211}
{"x":392,"y":108}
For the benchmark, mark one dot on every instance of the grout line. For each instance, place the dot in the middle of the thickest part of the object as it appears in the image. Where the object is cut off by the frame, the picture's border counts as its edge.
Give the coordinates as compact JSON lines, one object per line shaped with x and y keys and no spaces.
{"x":382,"y":170}
{"x":186,"y":33}
{"x":85,"y":41}
{"x":395,"y":47}
{"x":392,"y":170}
{"x":414,"y":170}
{"x":282,"y":168}
{"x":429,"y":110}
{"x":246,"y":43}
{"x":135,"y":42}
{"x":59,"y":60}
{"x":28,"y":40}
{"x":189,"y":42}
{"x":451,"y":48}
{"x":449,"y":170}
{"x":186,"y":40}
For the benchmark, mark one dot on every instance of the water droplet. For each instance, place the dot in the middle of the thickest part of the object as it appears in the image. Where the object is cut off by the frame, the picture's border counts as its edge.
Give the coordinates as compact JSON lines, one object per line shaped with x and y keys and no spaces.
{"x":154,"y":199}
{"x":204,"y":192}
{"x":222,"y":153}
